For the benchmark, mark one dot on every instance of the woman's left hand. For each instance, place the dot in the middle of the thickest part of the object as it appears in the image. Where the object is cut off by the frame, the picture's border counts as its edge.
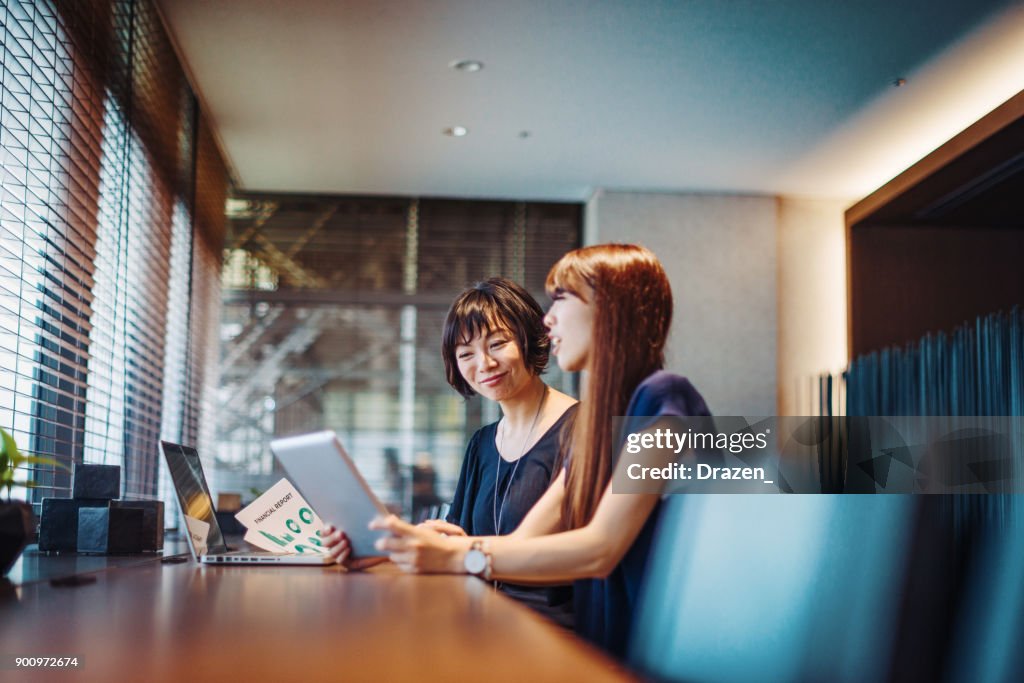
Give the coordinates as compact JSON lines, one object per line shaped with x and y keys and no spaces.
{"x":340,"y":548}
{"x":420,"y":550}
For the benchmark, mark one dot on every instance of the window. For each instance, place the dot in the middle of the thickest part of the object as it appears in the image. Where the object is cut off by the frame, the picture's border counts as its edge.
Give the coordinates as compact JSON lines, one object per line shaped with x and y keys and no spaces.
{"x":332,"y":317}
{"x":108,"y":244}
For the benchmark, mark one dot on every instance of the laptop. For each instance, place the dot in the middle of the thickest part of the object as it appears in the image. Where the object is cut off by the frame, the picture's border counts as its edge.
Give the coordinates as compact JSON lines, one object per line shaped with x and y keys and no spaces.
{"x":205,"y":539}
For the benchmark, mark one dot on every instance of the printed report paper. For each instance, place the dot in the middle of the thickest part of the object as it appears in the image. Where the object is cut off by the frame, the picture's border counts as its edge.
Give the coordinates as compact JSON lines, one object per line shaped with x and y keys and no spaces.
{"x":281,"y":521}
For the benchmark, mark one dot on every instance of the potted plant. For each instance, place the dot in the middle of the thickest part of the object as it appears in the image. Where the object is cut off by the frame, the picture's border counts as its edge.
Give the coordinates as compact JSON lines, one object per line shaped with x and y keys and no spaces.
{"x":16,"y":519}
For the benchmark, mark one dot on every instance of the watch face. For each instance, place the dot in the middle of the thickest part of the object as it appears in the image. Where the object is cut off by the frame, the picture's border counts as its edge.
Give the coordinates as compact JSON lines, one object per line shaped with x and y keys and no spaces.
{"x":475,"y":562}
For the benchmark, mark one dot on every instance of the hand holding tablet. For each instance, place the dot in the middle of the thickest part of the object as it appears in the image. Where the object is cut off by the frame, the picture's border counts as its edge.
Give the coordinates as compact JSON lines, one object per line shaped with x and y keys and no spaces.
{"x":325,"y":475}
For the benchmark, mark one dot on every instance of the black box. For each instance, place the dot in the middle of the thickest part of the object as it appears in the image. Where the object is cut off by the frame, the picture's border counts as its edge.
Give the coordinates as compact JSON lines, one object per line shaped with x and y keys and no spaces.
{"x":58,"y":523}
{"x":152,"y":521}
{"x":110,"y":530}
{"x":97,"y":481}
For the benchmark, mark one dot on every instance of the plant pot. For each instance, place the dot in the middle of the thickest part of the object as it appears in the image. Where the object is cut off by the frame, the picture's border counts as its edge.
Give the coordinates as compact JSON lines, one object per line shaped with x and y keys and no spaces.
{"x":16,"y":521}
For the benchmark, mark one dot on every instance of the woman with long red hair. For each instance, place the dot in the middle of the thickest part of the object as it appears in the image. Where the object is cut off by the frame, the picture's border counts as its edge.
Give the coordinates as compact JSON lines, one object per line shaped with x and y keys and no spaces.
{"x":610,"y":316}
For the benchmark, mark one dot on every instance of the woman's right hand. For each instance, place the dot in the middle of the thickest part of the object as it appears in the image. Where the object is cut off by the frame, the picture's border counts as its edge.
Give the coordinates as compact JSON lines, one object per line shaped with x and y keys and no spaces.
{"x":339,"y":547}
{"x":444,"y":528}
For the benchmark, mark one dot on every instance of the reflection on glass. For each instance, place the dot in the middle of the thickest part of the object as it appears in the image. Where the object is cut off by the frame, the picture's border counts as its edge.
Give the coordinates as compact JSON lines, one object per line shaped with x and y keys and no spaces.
{"x":193,"y":493}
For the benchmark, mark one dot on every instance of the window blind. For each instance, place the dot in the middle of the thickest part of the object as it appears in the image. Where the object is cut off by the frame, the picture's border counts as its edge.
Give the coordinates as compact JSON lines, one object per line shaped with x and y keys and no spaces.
{"x":104,"y":234}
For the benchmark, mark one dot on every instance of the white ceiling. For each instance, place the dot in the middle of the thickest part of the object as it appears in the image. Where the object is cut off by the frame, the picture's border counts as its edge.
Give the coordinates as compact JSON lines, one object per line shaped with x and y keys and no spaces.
{"x":790,"y":97}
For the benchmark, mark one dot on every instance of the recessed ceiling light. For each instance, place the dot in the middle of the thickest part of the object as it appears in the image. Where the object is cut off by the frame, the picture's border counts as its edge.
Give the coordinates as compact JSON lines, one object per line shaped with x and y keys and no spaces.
{"x":456,"y":131}
{"x":467,"y":65}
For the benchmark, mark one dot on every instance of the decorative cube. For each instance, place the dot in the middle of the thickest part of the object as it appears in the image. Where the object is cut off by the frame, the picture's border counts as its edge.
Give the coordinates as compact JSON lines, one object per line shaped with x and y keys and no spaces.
{"x":110,"y":530}
{"x":152,"y":521}
{"x":58,"y":523}
{"x":97,"y":481}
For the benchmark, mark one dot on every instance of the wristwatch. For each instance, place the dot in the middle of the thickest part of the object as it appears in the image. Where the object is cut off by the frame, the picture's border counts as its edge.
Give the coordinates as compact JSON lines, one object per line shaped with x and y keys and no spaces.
{"x":477,"y":560}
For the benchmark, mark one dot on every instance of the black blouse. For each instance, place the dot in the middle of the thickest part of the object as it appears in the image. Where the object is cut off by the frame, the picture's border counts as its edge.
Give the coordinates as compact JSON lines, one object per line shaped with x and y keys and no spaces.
{"x":477,"y":509}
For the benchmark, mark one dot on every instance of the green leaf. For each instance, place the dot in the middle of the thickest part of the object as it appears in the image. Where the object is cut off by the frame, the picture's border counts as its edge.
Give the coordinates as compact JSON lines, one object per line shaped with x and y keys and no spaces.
{"x":43,"y":460}
{"x":13,"y":458}
{"x":7,"y":445}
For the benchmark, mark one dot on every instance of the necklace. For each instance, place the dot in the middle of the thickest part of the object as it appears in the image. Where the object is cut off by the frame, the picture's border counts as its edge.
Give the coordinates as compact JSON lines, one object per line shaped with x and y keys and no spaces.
{"x":498,"y":511}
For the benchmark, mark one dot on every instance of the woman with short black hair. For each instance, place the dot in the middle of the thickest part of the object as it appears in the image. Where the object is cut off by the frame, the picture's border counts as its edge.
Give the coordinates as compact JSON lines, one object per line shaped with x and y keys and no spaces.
{"x":494,"y":343}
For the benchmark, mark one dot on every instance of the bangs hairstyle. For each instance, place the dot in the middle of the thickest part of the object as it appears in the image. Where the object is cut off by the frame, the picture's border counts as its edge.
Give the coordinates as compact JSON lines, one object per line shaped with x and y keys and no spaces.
{"x":489,"y":306}
{"x":632,"y":304}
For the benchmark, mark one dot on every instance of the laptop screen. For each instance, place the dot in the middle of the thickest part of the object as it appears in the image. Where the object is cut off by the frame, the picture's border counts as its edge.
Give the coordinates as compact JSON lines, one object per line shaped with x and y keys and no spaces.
{"x":202,"y":530}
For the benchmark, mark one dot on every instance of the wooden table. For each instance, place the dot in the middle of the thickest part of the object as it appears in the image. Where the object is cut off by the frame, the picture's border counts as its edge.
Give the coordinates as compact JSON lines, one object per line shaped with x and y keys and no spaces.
{"x":178,"y":622}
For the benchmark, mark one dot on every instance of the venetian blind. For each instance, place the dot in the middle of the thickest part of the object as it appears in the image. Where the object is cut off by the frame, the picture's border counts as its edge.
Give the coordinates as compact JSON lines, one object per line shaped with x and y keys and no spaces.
{"x":101,"y":239}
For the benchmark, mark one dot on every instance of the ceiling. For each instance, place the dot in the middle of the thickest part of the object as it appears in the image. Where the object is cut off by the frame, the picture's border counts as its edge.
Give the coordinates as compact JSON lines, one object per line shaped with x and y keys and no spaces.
{"x":790,"y":97}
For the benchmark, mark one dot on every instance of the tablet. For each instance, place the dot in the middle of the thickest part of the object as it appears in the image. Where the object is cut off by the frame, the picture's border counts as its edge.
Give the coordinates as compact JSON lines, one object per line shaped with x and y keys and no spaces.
{"x":325,"y":475}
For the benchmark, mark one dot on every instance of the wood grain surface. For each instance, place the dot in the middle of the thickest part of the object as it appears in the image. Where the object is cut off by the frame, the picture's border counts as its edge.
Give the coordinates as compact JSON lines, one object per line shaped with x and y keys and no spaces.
{"x":186,"y":622}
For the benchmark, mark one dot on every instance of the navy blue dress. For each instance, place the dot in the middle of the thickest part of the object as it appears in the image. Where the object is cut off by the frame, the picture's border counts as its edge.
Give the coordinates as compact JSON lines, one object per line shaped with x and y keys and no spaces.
{"x":604,"y":607}
{"x":474,"y":505}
